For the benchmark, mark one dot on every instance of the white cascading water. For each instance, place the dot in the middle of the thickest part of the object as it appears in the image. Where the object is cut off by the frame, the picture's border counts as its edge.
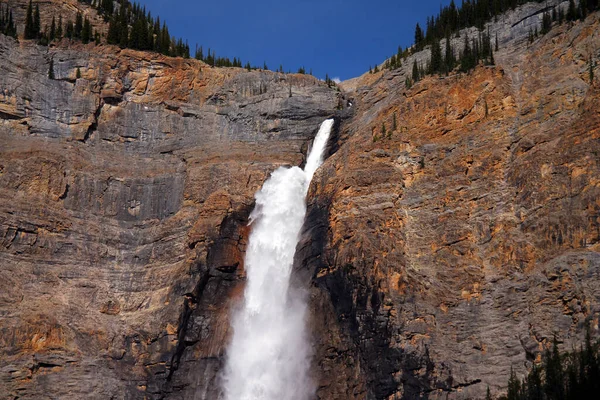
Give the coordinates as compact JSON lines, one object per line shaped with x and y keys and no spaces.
{"x":269,"y":354}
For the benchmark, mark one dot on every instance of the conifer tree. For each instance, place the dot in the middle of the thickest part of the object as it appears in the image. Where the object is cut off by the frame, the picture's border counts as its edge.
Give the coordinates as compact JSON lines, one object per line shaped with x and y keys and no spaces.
{"x":514,"y":386}
{"x":7,"y":24}
{"x":69,"y":30}
{"x":415,"y":72}
{"x":583,"y":9}
{"x":123,"y":26}
{"x":86,"y":31}
{"x":561,"y":15}
{"x":78,"y":26}
{"x":37,"y":25}
{"x":435,"y":63}
{"x":53,"y":29}
{"x":106,"y":7}
{"x":449,"y":59}
{"x":199,"y":55}
{"x":29,"y":33}
{"x":571,"y":11}
{"x":112,"y":37}
{"x":59,"y":28}
{"x":530,"y":36}
{"x":418,"y":37}
{"x":12,"y":28}
{"x":534,"y":384}
{"x":546,"y":23}
{"x":467,"y":59}
{"x":553,"y":386}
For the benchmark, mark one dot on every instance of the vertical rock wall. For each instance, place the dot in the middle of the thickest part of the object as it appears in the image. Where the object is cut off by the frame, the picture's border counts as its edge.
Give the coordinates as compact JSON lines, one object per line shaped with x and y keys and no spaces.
{"x":453,"y":248}
{"x":124,"y":198}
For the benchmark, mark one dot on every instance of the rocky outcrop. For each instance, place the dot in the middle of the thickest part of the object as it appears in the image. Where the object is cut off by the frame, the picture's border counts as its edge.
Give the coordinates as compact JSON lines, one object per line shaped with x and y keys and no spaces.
{"x":454,"y":247}
{"x":126,"y":181}
{"x":437,"y":256}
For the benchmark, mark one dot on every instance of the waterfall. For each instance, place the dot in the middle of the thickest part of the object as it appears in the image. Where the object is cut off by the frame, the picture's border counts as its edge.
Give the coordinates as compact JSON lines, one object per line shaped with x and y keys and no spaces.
{"x":269,"y":354}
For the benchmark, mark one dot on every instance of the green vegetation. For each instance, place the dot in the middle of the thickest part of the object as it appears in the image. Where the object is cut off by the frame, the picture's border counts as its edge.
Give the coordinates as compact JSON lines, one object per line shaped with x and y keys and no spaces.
{"x":568,"y":376}
{"x":7,"y":24}
{"x":472,"y":13}
{"x":212,"y":59}
{"x":129,"y":26}
{"x":29,"y":29}
{"x":329,"y":81}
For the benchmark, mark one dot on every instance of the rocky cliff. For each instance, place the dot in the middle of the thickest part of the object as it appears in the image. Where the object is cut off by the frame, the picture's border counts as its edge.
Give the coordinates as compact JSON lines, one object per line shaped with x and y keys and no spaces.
{"x":125,"y":183}
{"x":437,"y":256}
{"x":454,"y":247}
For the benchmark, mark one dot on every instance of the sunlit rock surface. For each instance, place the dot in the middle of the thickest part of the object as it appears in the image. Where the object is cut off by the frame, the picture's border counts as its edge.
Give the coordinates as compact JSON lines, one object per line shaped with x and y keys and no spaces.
{"x":457,"y":245}
{"x":436,"y":258}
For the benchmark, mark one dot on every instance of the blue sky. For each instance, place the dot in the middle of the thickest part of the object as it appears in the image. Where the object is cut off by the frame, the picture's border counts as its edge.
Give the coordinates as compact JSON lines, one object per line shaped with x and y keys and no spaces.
{"x":340,"y":38}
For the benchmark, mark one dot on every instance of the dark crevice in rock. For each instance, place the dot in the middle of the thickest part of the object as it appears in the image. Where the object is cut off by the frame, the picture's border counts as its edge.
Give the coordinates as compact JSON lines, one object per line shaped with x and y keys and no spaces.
{"x":5,"y":115}
{"x":543,"y":10}
{"x":190,"y":303}
{"x":335,"y":139}
{"x":94,"y":125}
{"x":223,"y":259}
{"x":113,"y":99}
{"x":453,"y":387}
{"x":357,"y":307}
{"x":65,"y":193}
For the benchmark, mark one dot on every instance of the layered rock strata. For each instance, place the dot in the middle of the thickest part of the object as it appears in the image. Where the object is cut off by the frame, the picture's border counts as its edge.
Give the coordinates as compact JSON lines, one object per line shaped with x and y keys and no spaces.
{"x":455,"y":246}
{"x":437,"y":256}
{"x":126,"y":181}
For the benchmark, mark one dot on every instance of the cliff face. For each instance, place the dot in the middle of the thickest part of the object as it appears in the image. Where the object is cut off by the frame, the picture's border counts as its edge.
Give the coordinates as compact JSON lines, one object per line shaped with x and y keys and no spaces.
{"x":457,"y":245}
{"x":437,"y":257}
{"x":124,"y":197}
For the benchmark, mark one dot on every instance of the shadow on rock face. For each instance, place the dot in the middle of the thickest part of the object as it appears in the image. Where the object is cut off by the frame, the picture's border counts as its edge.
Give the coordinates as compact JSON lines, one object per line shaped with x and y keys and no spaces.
{"x":193,"y":367}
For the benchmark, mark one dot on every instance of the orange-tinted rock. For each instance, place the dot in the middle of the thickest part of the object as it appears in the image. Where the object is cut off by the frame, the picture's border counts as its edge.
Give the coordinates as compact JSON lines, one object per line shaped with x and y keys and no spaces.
{"x":456,"y":246}
{"x":124,"y":200}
